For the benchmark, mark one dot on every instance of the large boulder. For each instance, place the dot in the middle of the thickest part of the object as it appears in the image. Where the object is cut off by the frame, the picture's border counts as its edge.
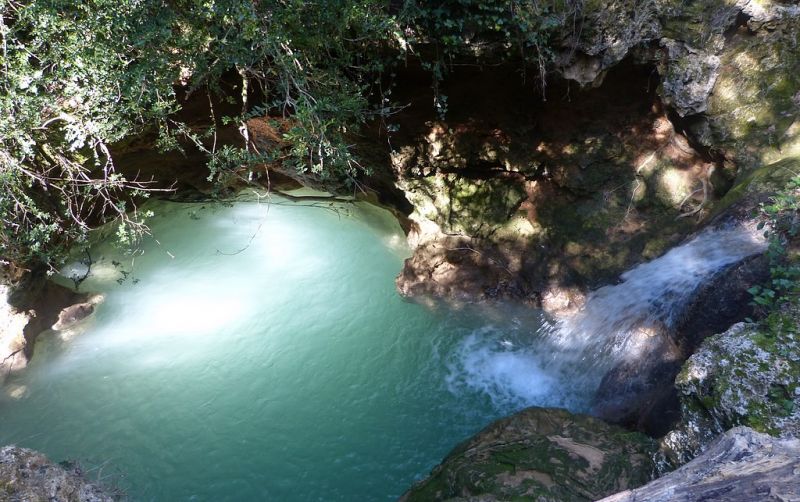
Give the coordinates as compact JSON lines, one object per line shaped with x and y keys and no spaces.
{"x":740,"y":466}
{"x":28,"y":476}
{"x":748,"y":375}
{"x":541,"y":454}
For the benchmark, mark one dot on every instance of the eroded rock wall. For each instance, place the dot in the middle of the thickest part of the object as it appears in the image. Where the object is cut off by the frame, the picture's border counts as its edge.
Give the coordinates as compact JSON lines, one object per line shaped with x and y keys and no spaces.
{"x":515,"y":197}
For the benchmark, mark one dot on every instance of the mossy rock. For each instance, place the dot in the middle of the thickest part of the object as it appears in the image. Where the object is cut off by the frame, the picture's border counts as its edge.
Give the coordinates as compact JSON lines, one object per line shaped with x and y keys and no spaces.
{"x":756,"y":185}
{"x":473,"y":207}
{"x":541,"y":454}
{"x":749,"y":375}
{"x":26,"y":475}
{"x":754,"y":109}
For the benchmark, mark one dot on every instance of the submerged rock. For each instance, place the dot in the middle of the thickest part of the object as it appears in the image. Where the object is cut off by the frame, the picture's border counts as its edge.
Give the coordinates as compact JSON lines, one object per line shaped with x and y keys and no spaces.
{"x":741,"y":466}
{"x":28,"y":476}
{"x":73,"y":314}
{"x":541,"y":454}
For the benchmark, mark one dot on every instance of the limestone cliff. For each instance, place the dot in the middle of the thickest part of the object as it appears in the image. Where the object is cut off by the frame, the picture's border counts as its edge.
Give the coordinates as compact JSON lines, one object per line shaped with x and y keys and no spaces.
{"x":539,"y":200}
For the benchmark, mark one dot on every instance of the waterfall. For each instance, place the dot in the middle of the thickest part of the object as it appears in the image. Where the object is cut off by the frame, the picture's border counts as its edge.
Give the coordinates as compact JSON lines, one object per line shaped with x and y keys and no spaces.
{"x":570,"y":356}
{"x":652,"y":295}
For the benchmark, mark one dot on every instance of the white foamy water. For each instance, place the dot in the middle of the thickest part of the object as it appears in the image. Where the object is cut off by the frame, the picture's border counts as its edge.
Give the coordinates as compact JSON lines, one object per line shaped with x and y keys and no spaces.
{"x":262,"y":353}
{"x":652,"y":295}
{"x":561,"y":364}
{"x":515,"y":366}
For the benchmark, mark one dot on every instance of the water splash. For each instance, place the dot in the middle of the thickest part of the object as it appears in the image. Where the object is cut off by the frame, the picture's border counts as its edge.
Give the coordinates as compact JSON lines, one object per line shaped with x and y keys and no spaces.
{"x":563,"y":364}
{"x":652,"y":296}
{"x":511,"y":371}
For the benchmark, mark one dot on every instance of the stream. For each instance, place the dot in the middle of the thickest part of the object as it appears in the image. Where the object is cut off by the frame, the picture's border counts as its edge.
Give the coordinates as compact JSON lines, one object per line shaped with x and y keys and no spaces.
{"x":259,"y":351}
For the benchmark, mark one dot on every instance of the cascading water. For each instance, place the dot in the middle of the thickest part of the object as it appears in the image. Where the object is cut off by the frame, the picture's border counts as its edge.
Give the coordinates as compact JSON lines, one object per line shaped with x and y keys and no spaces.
{"x":652,"y":296}
{"x":615,"y":323}
{"x":260,"y":352}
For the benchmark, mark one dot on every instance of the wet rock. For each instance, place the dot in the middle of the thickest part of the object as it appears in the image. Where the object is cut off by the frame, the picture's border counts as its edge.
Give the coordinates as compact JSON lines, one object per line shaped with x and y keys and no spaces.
{"x":638,"y":393}
{"x":721,"y":302}
{"x":741,"y":466}
{"x":540,"y":454}
{"x":28,"y":476}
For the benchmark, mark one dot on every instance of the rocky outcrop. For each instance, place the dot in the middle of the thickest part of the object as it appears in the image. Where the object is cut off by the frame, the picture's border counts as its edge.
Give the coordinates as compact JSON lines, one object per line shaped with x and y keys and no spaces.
{"x":740,"y":466}
{"x":748,"y":375}
{"x":515,"y":197}
{"x":598,"y":184}
{"x":28,"y":307}
{"x":639,"y":391}
{"x":541,"y":454}
{"x":28,"y":476}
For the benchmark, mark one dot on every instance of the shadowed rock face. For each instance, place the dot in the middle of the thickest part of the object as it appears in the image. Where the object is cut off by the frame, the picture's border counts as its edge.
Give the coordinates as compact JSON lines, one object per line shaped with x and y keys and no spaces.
{"x":740,"y":466}
{"x":603,"y":176}
{"x":541,"y":454}
{"x":28,"y":476}
{"x":516,"y":197}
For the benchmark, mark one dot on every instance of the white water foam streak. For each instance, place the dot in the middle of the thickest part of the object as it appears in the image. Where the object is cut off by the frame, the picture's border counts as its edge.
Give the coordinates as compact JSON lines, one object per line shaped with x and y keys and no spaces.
{"x":562,"y":365}
{"x":652,"y":296}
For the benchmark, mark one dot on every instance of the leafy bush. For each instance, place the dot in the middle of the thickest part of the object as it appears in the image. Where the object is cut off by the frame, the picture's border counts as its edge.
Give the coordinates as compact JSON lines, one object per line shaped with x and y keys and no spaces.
{"x":80,"y":76}
{"x":780,"y":222}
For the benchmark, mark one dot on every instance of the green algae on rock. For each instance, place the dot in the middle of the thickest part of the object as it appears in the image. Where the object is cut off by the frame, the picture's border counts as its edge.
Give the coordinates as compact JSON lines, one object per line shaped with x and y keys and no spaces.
{"x":542,"y":454}
{"x":749,"y":375}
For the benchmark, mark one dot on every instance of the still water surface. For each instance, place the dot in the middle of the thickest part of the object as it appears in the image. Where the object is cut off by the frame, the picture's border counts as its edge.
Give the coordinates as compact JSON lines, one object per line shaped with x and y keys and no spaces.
{"x":260,"y":351}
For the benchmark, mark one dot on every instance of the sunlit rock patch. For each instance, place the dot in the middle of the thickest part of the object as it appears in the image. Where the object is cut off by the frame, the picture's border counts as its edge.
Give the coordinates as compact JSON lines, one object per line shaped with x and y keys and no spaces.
{"x":28,"y":476}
